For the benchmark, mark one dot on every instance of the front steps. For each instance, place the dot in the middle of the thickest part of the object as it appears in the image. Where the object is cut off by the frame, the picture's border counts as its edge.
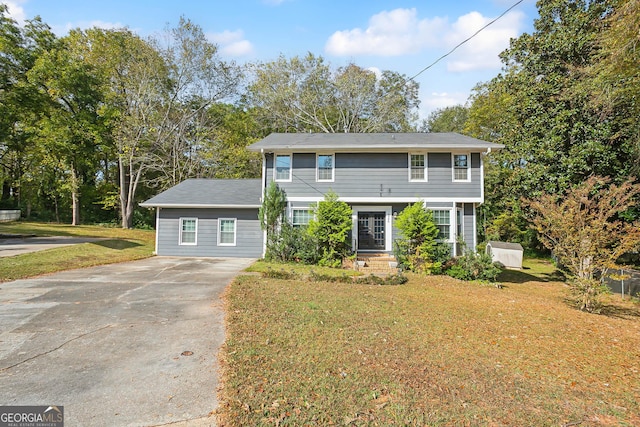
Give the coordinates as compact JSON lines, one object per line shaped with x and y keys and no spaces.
{"x":379,"y":264}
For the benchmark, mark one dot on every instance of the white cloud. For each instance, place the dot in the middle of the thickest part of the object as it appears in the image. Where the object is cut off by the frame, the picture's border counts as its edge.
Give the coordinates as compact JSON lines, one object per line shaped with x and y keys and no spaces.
{"x":231,"y":43}
{"x":390,"y":33}
{"x":15,"y":10}
{"x":481,"y":52}
{"x":437,"y":100}
{"x":401,"y":32}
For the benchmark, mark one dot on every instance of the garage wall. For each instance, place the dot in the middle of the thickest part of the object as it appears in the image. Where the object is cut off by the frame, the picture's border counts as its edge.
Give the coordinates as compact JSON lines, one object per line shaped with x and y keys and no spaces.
{"x":248,"y":233}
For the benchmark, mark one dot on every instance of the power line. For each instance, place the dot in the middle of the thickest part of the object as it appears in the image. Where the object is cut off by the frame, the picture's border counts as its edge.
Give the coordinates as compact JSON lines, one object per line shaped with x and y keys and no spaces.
{"x":465,"y":40}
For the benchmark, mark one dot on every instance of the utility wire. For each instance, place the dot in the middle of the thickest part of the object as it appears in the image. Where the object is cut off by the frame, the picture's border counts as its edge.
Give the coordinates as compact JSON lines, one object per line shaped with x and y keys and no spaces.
{"x":465,"y":40}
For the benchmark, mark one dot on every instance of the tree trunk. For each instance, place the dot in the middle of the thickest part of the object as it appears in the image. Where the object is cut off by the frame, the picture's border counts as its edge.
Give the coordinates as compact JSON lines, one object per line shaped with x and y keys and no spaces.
{"x":129,"y":179}
{"x":124,"y":185}
{"x":75,"y":198}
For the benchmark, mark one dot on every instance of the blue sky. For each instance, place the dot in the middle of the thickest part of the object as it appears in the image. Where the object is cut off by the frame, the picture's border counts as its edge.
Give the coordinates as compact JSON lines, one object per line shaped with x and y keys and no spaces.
{"x":398,"y":35}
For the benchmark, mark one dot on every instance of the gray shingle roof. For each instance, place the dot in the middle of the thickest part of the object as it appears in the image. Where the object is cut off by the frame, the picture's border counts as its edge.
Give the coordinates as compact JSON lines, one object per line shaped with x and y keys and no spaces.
{"x":209,"y":193}
{"x":301,"y":142}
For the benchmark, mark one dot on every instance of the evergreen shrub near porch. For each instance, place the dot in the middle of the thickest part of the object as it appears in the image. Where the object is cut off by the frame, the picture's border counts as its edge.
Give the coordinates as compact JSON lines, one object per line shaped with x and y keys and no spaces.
{"x":325,"y":241}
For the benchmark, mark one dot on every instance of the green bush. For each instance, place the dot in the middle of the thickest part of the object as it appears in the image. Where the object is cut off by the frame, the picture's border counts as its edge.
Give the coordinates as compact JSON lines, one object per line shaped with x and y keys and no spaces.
{"x":474,"y":266}
{"x":416,"y":250}
{"x":330,"y":228}
{"x":281,"y":274}
{"x":291,"y":244}
{"x":319,"y":277}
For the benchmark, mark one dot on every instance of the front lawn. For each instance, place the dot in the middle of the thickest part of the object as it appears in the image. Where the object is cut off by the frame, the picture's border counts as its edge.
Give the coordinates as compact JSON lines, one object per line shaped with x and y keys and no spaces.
{"x":435,"y":351}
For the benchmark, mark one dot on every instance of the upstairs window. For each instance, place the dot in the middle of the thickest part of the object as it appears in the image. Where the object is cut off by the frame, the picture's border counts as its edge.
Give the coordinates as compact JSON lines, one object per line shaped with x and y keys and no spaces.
{"x":442,"y":220}
{"x":325,"y":167}
{"x":461,"y":171}
{"x":188,"y":231}
{"x":417,"y":167}
{"x":283,"y":167}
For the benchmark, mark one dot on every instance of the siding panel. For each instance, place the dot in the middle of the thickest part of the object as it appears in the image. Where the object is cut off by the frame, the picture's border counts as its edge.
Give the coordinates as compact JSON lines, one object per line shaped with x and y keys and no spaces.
{"x":248,"y":233}
{"x":378,"y":175}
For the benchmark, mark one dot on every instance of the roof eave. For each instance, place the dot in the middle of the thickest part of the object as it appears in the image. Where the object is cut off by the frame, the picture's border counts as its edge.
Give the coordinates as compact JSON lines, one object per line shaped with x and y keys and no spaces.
{"x":372,"y":149}
{"x":195,"y":206}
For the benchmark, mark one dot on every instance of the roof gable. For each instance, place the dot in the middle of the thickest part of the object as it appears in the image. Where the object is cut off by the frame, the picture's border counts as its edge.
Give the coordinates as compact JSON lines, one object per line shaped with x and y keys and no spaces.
{"x":210,"y":193}
{"x":309,"y":142}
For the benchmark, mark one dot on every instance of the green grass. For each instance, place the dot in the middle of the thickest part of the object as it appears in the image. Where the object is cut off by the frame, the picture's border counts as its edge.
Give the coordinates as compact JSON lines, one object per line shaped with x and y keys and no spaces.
{"x":436,"y":351}
{"x":118,"y":245}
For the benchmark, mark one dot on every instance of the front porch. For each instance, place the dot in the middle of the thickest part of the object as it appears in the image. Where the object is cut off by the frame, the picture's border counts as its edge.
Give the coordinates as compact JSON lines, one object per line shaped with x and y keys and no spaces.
{"x":376,"y":263}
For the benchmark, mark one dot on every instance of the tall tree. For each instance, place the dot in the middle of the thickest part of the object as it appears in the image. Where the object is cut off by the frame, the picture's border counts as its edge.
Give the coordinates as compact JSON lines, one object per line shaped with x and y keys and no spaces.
{"x":583,"y":229}
{"x":447,"y":119}
{"x":20,"y":105}
{"x":306,"y":94}
{"x":156,"y":95}
{"x":70,"y":128}
{"x":616,"y":75}
{"x":540,"y":108}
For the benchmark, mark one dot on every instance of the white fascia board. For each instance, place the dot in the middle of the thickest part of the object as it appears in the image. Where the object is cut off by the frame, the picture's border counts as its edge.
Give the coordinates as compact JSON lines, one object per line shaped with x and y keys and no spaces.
{"x":379,"y":149}
{"x":183,"y":206}
{"x":390,"y":199}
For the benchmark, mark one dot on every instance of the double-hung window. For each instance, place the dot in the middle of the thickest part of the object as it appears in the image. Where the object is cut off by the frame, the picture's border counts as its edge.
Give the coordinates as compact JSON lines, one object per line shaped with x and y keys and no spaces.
{"x":188,"y":231}
{"x":283,"y":167}
{"x":325,"y":167}
{"x":461,"y":170}
{"x":417,"y":167}
{"x":442,"y":220}
{"x":300,"y":217}
{"x":227,"y":232}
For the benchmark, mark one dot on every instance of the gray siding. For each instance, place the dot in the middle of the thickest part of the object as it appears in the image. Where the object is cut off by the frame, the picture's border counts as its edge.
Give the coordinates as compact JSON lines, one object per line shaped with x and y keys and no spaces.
{"x":468,"y":223}
{"x":248,"y":233}
{"x":378,"y":175}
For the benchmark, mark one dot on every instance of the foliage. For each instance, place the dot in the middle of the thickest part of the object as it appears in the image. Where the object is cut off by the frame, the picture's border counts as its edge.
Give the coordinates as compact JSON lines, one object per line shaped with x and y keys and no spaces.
{"x":474,"y":266}
{"x":292,"y":244}
{"x":281,"y":274}
{"x":415,"y":250}
{"x":391,"y":279}
{"x":272,"y":210}
{"x":324,"y":277}
{"x":330,"y":228}
{"x":447,"y":119}
{"x":584,"y":232}
{"x":512,"y":226}
{"x":306,"y":94}
{"x":541,"y":108}
{"x":616,"y":75}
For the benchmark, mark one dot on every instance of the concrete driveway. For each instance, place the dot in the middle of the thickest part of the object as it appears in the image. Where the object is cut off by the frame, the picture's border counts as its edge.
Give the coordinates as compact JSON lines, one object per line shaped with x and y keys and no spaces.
{"x":132,"y":344}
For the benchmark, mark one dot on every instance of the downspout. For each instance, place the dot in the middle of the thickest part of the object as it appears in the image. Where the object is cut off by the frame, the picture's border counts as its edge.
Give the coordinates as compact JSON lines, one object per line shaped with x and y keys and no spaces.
{"x":157,"y":228}
{"x":264,"y":186}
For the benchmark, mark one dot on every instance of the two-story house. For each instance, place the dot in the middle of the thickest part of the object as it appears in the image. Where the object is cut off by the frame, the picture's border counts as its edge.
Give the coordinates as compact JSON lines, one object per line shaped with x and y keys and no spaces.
{"x":378,"y":175}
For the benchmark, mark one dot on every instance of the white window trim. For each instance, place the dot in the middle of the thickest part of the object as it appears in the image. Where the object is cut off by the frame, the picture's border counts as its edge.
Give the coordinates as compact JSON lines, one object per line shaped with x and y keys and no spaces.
{"x":453,"y":167}
{"x":333,"y":167}
{"x":426,"y":167}
{"x":275,"y":167}
{"x":452,"y":224}
{"x":299,"y":209}
{"x":235,"y":231}
{"x":180,"y":242}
